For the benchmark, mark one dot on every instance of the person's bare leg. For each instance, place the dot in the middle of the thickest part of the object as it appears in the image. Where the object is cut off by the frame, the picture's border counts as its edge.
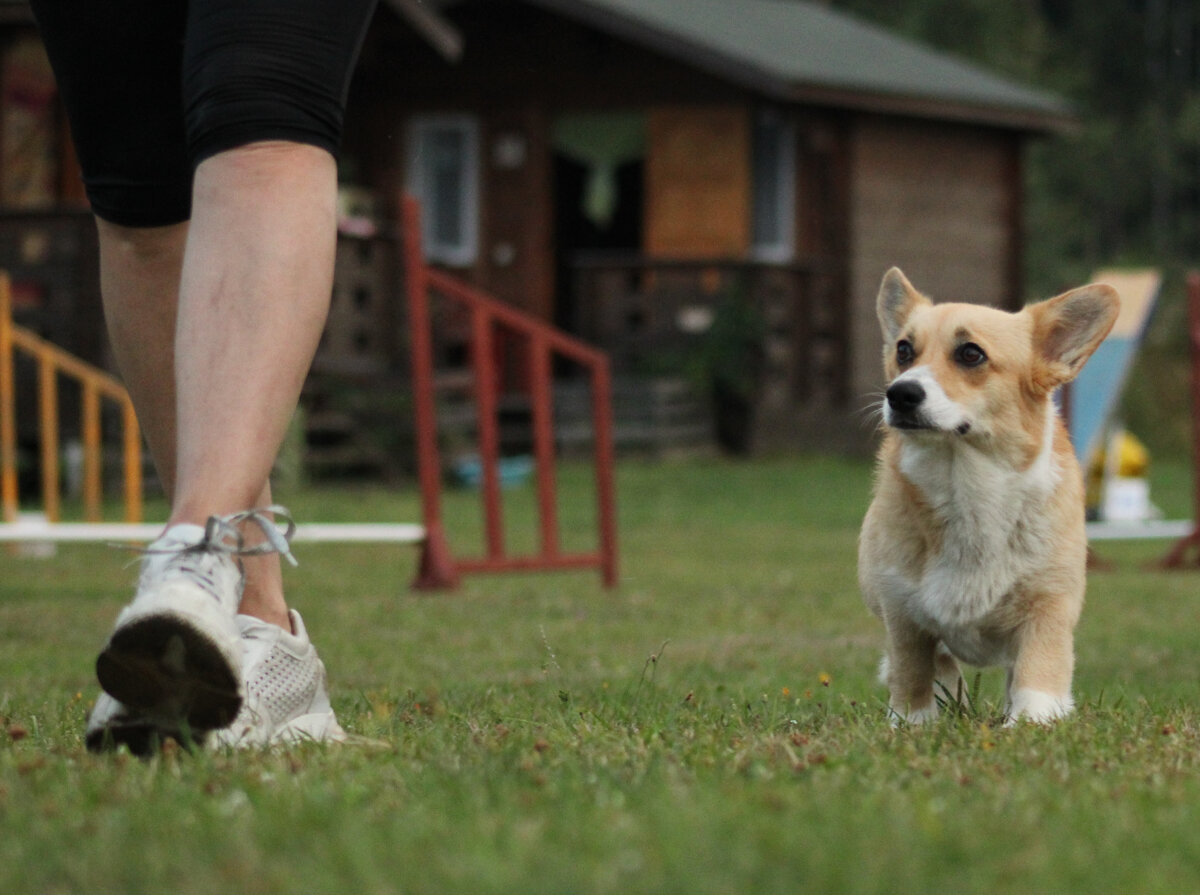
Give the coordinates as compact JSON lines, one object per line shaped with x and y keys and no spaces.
{"x":254,"y":295}
{"x":257,"y":277}
{"x":139,"y":281}
{"x":256,"y":280}
{"x":140,"y":269}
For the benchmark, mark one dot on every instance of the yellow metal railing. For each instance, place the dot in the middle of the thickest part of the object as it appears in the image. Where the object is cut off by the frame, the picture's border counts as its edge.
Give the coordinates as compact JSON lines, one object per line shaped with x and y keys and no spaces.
{"x":95,"y":384}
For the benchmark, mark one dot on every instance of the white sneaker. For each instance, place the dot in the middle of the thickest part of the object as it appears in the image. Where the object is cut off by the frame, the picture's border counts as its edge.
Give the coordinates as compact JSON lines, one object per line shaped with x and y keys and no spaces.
{"x":174,"y":659}
{"x":286,"y":700}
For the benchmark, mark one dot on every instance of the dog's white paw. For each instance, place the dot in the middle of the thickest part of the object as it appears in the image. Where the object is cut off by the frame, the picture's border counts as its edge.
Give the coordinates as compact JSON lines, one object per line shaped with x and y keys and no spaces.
{"x":1039,"y":707}
{"x":911,"y":715}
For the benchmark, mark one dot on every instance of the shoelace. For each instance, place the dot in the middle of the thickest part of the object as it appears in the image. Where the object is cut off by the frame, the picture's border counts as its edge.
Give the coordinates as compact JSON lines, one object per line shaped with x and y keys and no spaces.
{"x":277,"y":541}
{"x":222,"y":535}
{"x":223,"y":540}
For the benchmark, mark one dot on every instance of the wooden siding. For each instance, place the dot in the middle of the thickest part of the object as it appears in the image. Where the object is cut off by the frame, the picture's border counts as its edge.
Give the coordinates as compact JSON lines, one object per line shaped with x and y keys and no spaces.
{"x":938,"y":202}
{"x":518,"y":211}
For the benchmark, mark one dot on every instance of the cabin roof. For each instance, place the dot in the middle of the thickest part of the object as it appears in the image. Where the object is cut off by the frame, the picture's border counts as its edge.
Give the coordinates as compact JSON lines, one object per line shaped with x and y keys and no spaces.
{"x":800,"y":51}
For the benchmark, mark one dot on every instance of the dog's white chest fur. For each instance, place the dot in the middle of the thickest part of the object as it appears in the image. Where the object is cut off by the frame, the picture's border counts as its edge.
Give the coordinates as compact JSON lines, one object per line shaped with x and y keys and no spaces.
{"x":994,"y":533}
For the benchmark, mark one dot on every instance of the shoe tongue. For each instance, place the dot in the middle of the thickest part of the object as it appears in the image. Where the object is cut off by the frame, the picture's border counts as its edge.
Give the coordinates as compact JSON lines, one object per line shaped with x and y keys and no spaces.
{"x":185,"y":534}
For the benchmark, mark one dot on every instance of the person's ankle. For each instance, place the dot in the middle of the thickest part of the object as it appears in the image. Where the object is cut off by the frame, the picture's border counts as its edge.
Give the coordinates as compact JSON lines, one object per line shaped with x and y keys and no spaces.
{"x":271,"y":615}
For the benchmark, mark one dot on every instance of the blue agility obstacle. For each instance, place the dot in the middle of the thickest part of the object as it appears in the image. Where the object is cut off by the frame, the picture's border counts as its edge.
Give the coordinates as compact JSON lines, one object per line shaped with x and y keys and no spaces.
{"x":1097,"y":390}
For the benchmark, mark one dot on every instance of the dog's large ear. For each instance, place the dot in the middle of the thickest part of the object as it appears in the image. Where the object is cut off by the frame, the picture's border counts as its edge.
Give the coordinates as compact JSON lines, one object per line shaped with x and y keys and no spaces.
{"x":1067,"y":329}
{"x":896,"y":301}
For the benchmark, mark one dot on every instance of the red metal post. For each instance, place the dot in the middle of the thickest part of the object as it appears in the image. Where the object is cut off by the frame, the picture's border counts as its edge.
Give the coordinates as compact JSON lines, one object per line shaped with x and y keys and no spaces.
{"x":483,"y":357}
{"x":437,"y":570}
{"x":605,"y":485}
{"x":487,"y":316}
{"x":542,"y":398}
{"x":1178,"y":554}
{"x":1193,"y":284}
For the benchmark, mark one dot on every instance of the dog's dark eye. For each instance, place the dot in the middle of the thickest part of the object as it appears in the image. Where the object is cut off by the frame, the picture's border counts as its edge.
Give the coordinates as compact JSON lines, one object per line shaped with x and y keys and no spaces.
{"x":970,"y":355}
{"x":904,"y":352}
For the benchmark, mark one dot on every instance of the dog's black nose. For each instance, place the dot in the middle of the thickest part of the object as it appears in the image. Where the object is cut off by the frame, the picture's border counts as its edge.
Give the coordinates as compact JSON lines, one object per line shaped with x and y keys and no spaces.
{"x":905,"y":396}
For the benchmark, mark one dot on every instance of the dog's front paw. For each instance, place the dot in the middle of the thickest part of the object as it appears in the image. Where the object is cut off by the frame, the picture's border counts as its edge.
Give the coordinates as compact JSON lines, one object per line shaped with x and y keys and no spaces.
{"x":908,"y":714}
{"x":1038,"y":707}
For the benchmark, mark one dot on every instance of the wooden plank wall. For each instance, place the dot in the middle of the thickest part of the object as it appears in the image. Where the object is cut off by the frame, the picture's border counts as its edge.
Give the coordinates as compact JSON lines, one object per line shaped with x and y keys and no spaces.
{"x":937,"y":201}
{"x":517,"y":229}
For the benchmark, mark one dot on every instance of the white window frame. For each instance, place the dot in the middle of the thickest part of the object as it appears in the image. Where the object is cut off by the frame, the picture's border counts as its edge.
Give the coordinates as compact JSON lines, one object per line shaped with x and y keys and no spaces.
{"x":463,"y":251}
{"x":782,"y":248}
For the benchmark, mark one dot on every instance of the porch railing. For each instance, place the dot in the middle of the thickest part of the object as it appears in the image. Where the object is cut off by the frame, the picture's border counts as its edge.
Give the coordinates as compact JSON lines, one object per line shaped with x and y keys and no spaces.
{"x":487,"y":315}
{"x":95,"y":385}
{"x":642,"y":309}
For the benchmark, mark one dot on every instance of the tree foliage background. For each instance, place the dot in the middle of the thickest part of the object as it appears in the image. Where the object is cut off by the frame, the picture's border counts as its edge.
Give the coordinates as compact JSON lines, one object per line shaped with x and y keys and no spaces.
{"x":1121,"y":189}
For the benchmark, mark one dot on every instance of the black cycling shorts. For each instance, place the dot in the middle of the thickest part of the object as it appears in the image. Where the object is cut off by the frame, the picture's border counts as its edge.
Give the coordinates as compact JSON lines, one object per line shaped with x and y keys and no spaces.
{"x":154,"y":87}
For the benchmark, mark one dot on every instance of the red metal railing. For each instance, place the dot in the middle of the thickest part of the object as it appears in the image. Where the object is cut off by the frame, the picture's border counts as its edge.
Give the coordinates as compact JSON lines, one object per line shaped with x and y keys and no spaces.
{"x":439,"y":568}
{"x":1178,"y":555}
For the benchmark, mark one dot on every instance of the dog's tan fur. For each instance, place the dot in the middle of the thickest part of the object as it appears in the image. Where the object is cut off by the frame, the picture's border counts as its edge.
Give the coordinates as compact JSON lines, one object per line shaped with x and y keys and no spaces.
{"x":974,"y":547}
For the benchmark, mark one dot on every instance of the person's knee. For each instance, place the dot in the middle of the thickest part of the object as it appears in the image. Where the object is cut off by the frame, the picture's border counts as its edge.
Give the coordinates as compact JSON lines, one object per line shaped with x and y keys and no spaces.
{"x":262,"y":169}
{"x":259,"y":155}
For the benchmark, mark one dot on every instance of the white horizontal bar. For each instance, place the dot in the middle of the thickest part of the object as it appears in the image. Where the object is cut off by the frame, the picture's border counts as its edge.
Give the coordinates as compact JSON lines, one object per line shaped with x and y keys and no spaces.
{"x":1133,"y":531}
{"x":102,"y":532}
{"x":361,"y":533}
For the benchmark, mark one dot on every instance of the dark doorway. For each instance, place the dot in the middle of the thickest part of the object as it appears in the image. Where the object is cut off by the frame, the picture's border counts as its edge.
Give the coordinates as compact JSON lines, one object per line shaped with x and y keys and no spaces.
{"x":577,"y":232}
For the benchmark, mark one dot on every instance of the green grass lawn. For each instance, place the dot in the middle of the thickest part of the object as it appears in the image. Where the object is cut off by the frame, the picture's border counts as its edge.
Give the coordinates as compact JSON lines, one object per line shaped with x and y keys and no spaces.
{"x":712,"y":725}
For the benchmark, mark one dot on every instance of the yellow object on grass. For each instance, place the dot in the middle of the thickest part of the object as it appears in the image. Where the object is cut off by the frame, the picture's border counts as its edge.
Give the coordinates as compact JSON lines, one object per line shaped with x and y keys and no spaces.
{"x":1132,"y":462}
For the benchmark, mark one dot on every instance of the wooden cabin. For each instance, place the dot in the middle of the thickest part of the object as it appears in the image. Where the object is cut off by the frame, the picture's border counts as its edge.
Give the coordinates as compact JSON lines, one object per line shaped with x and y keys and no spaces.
{"x":716,"y":179}
{"x":704,"y":188}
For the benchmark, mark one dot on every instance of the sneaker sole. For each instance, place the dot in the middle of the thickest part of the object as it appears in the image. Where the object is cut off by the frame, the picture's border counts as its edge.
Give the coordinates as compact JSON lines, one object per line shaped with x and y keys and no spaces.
{"x":165,"y":665}
{"x":141,"y":739}
{"x":321,"y":727}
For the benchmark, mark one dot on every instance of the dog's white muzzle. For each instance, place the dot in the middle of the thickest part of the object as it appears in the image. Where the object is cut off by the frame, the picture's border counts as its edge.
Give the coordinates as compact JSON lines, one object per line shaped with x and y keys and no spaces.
{"x":915,"y":401}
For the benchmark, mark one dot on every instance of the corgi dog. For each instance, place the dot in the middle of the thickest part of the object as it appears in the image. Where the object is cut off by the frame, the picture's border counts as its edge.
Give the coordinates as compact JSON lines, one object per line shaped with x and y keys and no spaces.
{"x":973,"y":549}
